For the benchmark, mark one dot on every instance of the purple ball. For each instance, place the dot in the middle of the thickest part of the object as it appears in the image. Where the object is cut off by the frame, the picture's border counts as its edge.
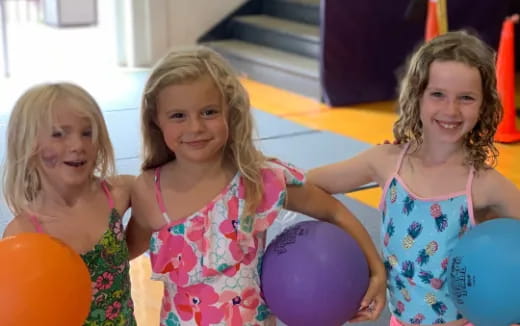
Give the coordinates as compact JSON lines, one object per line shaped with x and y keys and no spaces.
{"x":314,"y":273}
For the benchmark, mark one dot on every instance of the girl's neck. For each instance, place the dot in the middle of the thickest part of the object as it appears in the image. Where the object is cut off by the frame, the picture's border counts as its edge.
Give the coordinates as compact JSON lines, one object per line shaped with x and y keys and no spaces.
{"x":435,"y":154}
{"x":202,"y":170}
{"x":51,"y":196}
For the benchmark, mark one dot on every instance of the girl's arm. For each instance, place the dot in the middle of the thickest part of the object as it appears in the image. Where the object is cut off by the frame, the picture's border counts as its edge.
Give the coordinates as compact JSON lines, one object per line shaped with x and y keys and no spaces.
{"x":138,"y":231}
{"x":137,"y":237}
{"x":312,"y":201}
{"x":502,"y":196}
{"x":346,"y":176}
{"x":121,"y":188}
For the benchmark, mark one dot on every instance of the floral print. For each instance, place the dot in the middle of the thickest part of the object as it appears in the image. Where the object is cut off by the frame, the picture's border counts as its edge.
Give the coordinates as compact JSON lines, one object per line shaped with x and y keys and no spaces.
{"x":109,"y":271}
{"x":211,"y":269}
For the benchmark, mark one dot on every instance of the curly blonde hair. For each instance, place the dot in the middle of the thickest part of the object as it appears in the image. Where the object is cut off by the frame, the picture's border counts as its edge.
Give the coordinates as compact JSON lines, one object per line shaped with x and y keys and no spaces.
{"x":461,"y":47}
{"x":32,"y":115}
{"x":187,"y":65}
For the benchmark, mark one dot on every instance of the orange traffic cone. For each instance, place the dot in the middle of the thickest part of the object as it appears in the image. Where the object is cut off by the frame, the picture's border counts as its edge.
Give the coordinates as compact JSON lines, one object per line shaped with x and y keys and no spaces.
{"x":436,"y":19}
{"x":507,"y":132}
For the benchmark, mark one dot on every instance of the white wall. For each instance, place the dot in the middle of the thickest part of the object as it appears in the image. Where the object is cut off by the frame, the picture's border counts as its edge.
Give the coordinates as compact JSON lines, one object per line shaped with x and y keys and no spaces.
{"x":190,"y":19}
{"x":70,"y":12}
{"x":148,"y":28}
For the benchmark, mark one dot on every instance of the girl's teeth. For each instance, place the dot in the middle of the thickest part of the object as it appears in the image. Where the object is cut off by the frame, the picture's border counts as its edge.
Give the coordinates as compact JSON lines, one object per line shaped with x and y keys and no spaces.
{"x":448,"y":126}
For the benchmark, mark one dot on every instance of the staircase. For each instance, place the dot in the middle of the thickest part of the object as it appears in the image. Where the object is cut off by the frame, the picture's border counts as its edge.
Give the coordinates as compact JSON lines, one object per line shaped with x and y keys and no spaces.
{"x":278,"y":44}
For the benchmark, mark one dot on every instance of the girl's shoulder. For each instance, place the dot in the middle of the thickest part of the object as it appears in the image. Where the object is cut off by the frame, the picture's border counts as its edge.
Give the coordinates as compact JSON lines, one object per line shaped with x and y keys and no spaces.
{"x":19,"y":224}
{"x":120,"y":188}
{"x":143,"y":188}
{"x":385,"y":157}
{"x":492,"y":190}
{"x":388,"y":150}
{"x":288,"y":172}
{"x":125,"y":181}
{"x":120,"y":184}
{"x":144,"y":181}
{"x":488,"y":177}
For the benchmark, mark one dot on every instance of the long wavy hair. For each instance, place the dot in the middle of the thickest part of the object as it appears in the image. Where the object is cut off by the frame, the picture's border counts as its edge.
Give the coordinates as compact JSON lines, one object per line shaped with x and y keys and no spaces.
{"x":187,"y":65}
{"x":462,"y":47}
{"x":33,"y":114}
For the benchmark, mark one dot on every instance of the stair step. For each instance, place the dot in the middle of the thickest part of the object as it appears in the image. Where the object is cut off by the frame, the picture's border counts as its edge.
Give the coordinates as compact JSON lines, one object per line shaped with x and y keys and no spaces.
{"x":311,"y":3}
{"x":305,"y":11}
{"x":282,"y":69}
{"x":283,"y":34}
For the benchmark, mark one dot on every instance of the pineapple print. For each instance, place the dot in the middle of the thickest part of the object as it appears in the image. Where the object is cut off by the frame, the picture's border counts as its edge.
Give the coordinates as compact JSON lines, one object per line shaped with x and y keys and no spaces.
{"x":426,"y":253}
{"x":408,"y":204}
{"x":392,"y":260}
{"x":399,"y":309}
{"x":444,"y":264}
{"x":388,"y":267}
{"x":463,"y":220}
{"x":438,"y":306}
{"x":417,"y":319}
{"x":428,"y":278}
{"x":393,"y":191}
{"x":441,"y":220}
{"x":413,"y":232}
{"x":390,"y":229}
{"x":399,"y":284}
{"x":408,"y":271}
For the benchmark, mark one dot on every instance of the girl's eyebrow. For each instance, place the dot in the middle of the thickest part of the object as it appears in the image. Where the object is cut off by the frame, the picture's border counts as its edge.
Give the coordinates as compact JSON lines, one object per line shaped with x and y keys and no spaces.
{"x":173,"y":110}
{"x":210,"y":106}
{"x":68,"y":127}
{"x":434,"y":88}
{"x":205,"y":107}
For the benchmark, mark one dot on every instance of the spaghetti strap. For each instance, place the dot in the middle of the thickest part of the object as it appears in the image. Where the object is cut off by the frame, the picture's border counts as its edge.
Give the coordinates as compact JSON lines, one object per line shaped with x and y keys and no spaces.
{"x":469,"y":195}
{"x":401,"y":158}
{"x":393,"y":176}
{"x":158,"y":194}
{"x":470,"y":179}
{"x":36,"y":224}
{"x":108,"y":194}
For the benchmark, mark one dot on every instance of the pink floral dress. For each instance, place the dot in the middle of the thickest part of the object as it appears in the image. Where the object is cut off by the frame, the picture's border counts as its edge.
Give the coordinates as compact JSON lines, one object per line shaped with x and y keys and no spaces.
{"x":210,"y":261}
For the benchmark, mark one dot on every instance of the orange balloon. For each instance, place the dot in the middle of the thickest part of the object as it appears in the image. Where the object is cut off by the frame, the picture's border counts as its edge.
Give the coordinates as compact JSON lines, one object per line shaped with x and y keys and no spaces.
{"x":42,"y":282}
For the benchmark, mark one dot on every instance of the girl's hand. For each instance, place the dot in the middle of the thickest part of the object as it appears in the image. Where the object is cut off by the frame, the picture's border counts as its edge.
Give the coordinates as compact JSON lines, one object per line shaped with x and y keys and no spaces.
{"x":374,"y":301}
{"x":394,"y":142}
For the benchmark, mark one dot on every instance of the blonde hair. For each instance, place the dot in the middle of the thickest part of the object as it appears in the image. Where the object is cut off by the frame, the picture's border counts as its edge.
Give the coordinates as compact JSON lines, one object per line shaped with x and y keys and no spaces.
{"x":32,"y":114}
{"x":461,"y":47}
{"x":187,"y":65}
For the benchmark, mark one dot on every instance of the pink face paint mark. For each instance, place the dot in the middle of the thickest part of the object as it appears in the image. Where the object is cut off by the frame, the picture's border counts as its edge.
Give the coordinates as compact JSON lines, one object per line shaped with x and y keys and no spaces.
{"x":49,"y":158}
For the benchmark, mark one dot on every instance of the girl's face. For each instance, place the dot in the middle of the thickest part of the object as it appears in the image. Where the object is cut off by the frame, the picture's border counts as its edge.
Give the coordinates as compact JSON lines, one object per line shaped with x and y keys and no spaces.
{"x":451,"y":103}
{"x":193,"y":120}
{"x":66,"y":152}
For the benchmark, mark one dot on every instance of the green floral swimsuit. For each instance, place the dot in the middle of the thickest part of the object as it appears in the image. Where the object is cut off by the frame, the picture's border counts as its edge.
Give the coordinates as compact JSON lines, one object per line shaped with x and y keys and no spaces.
{"x":109,"y":271}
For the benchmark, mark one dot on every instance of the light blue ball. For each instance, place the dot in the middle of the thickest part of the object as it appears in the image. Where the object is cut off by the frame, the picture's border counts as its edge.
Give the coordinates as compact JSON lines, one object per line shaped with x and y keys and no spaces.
{"x":484,"y":273}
